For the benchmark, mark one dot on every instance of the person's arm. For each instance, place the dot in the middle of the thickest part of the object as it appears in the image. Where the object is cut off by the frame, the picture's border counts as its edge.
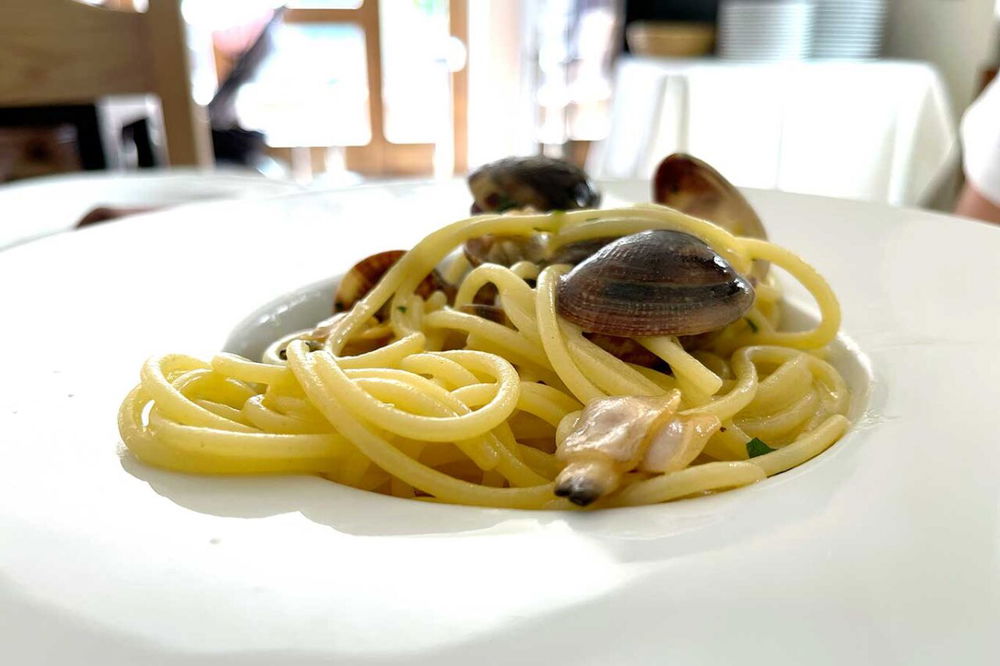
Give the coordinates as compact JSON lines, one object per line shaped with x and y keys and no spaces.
{"x":980,"y":133}
{"x":972,"y":203}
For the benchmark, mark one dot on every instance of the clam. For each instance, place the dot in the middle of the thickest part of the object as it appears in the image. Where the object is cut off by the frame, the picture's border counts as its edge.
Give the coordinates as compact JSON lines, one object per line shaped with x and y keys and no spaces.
{"x":693,"y":187}
{"x":657,"y":282}
{"x":539,"y":182}
{"x":364,"y":275}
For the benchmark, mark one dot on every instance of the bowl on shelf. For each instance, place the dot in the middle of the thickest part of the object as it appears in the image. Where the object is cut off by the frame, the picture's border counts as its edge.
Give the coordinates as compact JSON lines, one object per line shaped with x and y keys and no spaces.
{"x":670,"y":39}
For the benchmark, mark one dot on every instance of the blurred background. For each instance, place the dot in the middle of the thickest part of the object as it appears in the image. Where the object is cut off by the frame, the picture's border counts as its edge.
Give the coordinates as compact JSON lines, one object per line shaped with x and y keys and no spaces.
{"x":848,"y":98}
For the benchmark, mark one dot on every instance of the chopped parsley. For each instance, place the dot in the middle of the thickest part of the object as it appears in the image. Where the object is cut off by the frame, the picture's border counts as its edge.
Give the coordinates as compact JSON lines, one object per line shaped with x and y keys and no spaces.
{"x":753,"y":326}
{"x":755,"y":447}
{"x":401,"y":308}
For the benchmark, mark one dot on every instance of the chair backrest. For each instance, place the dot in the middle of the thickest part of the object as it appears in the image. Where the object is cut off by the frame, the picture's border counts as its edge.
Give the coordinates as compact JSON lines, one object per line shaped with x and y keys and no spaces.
{"x":62,"y":51}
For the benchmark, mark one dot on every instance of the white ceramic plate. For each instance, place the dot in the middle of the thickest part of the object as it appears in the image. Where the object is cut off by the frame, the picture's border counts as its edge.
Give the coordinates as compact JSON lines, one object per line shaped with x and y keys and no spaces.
{"x":884,"y":550}
{"x":39,"y":207}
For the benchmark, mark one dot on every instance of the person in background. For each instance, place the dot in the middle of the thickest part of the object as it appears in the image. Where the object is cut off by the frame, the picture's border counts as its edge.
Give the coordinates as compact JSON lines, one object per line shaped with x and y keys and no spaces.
{"x":980,"y":196}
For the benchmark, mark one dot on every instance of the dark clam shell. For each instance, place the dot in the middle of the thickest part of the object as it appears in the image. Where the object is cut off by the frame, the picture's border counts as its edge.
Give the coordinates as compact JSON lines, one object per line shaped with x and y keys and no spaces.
{"x":543,"y":183}
{"x":655,"y":282}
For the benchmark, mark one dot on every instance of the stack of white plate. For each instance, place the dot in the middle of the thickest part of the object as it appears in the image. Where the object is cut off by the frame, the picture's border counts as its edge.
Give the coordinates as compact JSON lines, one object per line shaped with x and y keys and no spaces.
{"x":766,"y":29}
{"x":849,"y":28}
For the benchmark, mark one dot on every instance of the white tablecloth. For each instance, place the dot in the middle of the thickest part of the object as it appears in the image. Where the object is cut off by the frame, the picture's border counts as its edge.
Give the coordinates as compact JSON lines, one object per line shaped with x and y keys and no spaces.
{"x":879,"y":131}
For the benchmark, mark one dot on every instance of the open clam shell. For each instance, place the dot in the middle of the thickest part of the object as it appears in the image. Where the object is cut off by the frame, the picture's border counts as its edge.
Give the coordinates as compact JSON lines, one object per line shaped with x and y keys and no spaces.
{"x":692,"y":186}
{"x":365,"y":274}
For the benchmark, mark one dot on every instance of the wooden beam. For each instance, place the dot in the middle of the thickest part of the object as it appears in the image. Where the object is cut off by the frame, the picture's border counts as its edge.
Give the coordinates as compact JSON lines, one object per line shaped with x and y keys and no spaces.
{"x":188,"y":138}
{"x":48,"y":54}
{"x":325,"y":15}
{"x":459,"y":19}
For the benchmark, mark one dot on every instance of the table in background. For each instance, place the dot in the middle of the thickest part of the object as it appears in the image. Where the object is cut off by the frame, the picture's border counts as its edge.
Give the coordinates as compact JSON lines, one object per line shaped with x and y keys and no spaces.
{"x":879,"y":131}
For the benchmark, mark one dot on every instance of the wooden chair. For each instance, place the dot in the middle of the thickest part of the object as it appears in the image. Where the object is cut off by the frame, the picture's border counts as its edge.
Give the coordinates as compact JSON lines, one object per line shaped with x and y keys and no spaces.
{"x":58,"y":52}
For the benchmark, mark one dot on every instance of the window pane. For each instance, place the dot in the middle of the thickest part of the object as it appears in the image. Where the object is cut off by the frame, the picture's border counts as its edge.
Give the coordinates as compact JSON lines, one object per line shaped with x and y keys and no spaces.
{"x":416,"y":81}
{"x":312,"y":90}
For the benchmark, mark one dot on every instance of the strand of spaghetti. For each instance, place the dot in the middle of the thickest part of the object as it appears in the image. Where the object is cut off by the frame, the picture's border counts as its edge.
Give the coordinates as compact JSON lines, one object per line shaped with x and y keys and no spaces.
{"x":772,"y":426}
{"x":525,"y":365}
{"x":478,"y":442}
{"x":836,"y":387}
{"x":452,"y":373}
{"x":299,"y":408}
{"x":246,"y":370}
{"x":406,"y":273}
{"x":152,"y":449}
{"x":545,"y":402}
{"x":508,"y":283}
{"x":715,"y":363}
{"x":483,"y":449}
{"x":208,"y":384}
{"x":688,"y":481}
{"x":829,"y":308}
{"x":457,"y":267}
{"x":532,"y":400}
{"x":662,"y":380}
{"x":397,"y":463}
{"x":566,"y":425}
{"x":263,"y":445}
{"x":501,"y":335}
{"x":269,"y":420}
{"x":545,"y":464}
{"x":385,"y":357}
{"x":354,"y":468}
{"x":552,"y":337}
{"x":729,"y":443}
{"x":172,"y":402}
{"x":779,"y":388}
{"x":804,"y":448}
{"x":525,"y":270}
{"x":730,"y":404}
{"x":400,"y":422}
{"x":610,"y":373}
{"x":682,"y":363}
{"x":224,"y":411}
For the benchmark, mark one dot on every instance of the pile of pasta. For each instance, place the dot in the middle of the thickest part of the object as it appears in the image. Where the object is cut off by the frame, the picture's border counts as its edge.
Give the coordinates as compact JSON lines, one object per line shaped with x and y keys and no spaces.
{"x":458,"y":408}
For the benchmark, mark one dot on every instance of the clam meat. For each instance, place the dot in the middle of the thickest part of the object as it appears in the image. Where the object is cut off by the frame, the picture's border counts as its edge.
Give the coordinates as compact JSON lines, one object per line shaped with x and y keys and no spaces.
{"x":610,"y":438}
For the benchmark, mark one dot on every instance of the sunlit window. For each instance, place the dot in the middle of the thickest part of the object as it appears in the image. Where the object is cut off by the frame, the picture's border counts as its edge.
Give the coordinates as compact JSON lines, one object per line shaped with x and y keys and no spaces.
{"x":415,"y":75}
{"x":313,"y":88}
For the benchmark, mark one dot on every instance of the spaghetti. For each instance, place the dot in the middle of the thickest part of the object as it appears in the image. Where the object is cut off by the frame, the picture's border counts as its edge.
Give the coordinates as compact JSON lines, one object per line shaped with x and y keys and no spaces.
{"x":448,"y":405}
